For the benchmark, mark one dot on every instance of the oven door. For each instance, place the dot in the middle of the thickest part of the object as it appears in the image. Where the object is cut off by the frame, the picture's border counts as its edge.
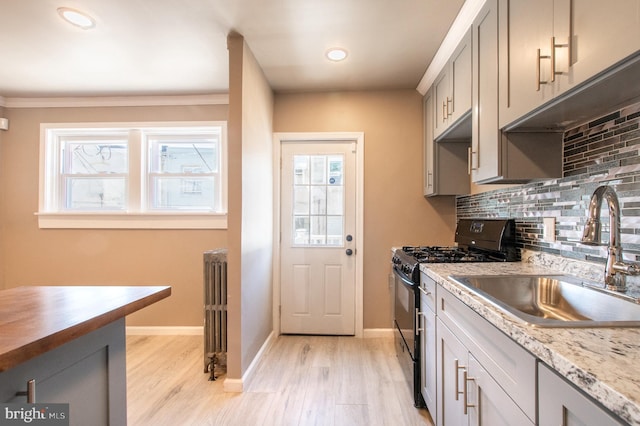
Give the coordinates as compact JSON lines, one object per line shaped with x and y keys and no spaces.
{"x":405,"y":310}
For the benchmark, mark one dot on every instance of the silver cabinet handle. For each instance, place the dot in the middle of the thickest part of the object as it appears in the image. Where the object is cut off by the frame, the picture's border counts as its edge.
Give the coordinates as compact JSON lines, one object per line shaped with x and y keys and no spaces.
{"x":466,"y":379}
{"x":538,"y":81}
{"x":425,"y":292}
{"x":555,"y":46}
{"x":457,"y":366}
{"x":30,"y":393}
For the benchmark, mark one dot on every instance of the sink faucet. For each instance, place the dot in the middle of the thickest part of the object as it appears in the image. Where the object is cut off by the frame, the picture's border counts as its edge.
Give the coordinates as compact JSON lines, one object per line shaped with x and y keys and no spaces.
{"x":616,"y":269}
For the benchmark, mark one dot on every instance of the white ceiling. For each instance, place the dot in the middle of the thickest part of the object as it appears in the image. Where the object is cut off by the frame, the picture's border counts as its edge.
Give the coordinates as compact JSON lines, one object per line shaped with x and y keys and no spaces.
{"x":178,"y":47}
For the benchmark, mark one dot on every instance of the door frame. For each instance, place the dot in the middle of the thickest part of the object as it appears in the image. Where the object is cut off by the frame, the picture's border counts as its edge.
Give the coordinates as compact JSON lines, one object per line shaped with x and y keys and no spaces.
{"x":358,"y":139}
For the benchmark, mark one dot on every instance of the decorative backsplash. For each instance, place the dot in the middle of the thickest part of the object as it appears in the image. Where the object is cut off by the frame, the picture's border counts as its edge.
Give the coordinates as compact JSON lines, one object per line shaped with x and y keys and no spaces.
{"x":603,"y":151}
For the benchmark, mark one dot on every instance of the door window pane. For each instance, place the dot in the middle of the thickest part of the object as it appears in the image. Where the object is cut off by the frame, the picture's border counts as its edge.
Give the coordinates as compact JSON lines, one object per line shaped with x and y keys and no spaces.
{"x":319,"y":169}
{"x":301,"y":228}
{"x":301,"y":170}
{"x":318,"y":200}
{"x":301,"y":199}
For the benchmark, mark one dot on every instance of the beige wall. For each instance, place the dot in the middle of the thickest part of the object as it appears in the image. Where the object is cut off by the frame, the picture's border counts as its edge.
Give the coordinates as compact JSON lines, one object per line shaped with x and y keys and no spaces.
{"x":395,"y":212}
{"x":33,"y":256}
{"x":250,"y":307}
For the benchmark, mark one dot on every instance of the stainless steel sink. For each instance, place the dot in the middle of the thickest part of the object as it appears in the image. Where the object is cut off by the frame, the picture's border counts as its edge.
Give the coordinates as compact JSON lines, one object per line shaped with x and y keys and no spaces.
{"x":554,"y":300}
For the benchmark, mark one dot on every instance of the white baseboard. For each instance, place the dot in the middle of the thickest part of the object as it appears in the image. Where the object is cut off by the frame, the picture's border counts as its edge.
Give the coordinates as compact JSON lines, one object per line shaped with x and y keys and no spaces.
{"x":165,"y":331}
{"x":238,"y":385}
{"x":370,"y":333}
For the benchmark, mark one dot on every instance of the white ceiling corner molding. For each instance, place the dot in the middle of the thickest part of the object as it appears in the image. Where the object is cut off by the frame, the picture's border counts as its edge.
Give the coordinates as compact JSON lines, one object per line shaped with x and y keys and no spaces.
{"x":115,"y":101}
{"x":459,"y":28}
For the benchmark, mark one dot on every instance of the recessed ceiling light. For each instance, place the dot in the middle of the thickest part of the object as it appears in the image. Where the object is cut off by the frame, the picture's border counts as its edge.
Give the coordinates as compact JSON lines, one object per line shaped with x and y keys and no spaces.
{"x":336,"y":54}
{"x":77,"y":18}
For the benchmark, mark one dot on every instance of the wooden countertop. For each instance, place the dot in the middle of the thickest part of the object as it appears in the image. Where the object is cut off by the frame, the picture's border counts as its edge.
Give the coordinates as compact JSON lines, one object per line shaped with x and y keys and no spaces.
{"x":35,"y":320}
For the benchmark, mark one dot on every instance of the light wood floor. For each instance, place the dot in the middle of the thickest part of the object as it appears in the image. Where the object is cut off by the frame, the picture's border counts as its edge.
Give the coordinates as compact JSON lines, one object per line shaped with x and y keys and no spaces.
{"x":302,"y":380}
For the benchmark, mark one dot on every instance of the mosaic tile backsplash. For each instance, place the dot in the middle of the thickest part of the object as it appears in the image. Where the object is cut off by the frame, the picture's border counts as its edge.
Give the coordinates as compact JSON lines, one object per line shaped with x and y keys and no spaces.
{"x":605,"y":151}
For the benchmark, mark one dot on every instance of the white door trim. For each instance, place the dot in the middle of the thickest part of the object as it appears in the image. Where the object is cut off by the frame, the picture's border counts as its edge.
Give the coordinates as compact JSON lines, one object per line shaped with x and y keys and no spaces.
{"x":358,"y":138}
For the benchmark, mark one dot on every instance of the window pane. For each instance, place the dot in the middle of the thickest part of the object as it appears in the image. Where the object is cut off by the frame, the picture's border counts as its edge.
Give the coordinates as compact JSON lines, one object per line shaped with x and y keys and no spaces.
{"x":335,"y":226}
{"x":301,"y":229}
{"x":318,"y":230}
{"x":95,"y":193}
{"x":318,"y":200}
{"x":183,"y":193}
{"x":319,"y":169}
{"x":335,"y":200}
{"x":184,"y":157}
{"x":300,"y":200}
{"x":301,"y":170}
{"x":335,"y":170}
{"x":95,"y":157}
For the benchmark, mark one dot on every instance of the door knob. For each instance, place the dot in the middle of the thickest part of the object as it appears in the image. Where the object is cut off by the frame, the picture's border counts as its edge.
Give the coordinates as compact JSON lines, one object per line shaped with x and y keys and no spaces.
{"x":349,"y":237}
{"x":349,"y":252}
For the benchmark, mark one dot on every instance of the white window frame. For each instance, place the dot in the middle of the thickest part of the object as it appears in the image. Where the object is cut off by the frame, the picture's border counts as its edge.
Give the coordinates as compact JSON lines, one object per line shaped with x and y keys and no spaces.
{"x":138,"y":215}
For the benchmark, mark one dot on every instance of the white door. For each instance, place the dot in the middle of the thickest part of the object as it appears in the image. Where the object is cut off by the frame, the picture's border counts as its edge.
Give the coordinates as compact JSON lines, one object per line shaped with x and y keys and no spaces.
{"x":317,"y":247}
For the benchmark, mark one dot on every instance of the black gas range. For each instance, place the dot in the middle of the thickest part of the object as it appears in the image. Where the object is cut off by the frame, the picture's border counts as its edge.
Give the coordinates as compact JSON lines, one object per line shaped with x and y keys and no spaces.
{"x":477,"y":240}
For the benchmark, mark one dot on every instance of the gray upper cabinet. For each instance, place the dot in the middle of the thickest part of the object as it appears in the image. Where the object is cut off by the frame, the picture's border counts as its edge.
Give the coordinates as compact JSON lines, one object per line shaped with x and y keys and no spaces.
{"x":549,"y":47}
{"x":428,"y":166}
{"x":485,"y":142}
{"x":444,"y":163}
{"x":452,"y":93}
{"x":497,"y":156}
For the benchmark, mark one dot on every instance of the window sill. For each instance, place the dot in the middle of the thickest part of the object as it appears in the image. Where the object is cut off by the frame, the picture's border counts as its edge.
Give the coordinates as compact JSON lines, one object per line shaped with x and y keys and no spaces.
{"x":83,"y":220}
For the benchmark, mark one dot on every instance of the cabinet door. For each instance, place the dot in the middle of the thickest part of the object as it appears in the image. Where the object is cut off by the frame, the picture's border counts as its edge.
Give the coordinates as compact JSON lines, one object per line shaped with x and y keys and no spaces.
{"x":452,"y":363}
{"x":488,"y":403}
{"x":428,"y":344}
{"x":485,"y":140}
{"x":442,"y":99}
{"x":428,"y":151}
{"x":559,"y":403}
{"x":526,"y":27}
{"x":598,"y":34}
{"x":88,"y":373}
{"x":460,"y":81}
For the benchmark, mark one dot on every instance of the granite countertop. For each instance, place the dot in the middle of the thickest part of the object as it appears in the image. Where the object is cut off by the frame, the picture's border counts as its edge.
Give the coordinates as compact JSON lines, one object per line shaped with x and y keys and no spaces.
{"x":600,"y":361}
{"x":35,"y":320}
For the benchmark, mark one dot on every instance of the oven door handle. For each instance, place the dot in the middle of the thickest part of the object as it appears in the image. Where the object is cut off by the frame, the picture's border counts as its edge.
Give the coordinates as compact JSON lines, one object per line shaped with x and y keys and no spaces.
{"x":402,"y":278}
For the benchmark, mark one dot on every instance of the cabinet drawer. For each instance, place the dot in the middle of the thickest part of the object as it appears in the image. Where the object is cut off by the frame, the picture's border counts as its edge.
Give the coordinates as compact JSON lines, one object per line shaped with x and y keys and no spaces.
{"x":506,"y":361}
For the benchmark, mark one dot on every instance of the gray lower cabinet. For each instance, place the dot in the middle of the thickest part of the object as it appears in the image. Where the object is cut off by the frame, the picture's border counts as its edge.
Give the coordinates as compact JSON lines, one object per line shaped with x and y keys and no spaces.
{"x":484,"y":377}
{"x":488,"y":403}
{"x":452,"y":358}
{"x":88,"y":373}
{"x":562,"y":404}
{"x":428,"y":343}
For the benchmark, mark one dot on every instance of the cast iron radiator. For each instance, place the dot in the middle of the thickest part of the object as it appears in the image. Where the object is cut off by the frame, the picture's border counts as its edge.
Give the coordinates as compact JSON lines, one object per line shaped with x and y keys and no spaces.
{"x":215,"y":310}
